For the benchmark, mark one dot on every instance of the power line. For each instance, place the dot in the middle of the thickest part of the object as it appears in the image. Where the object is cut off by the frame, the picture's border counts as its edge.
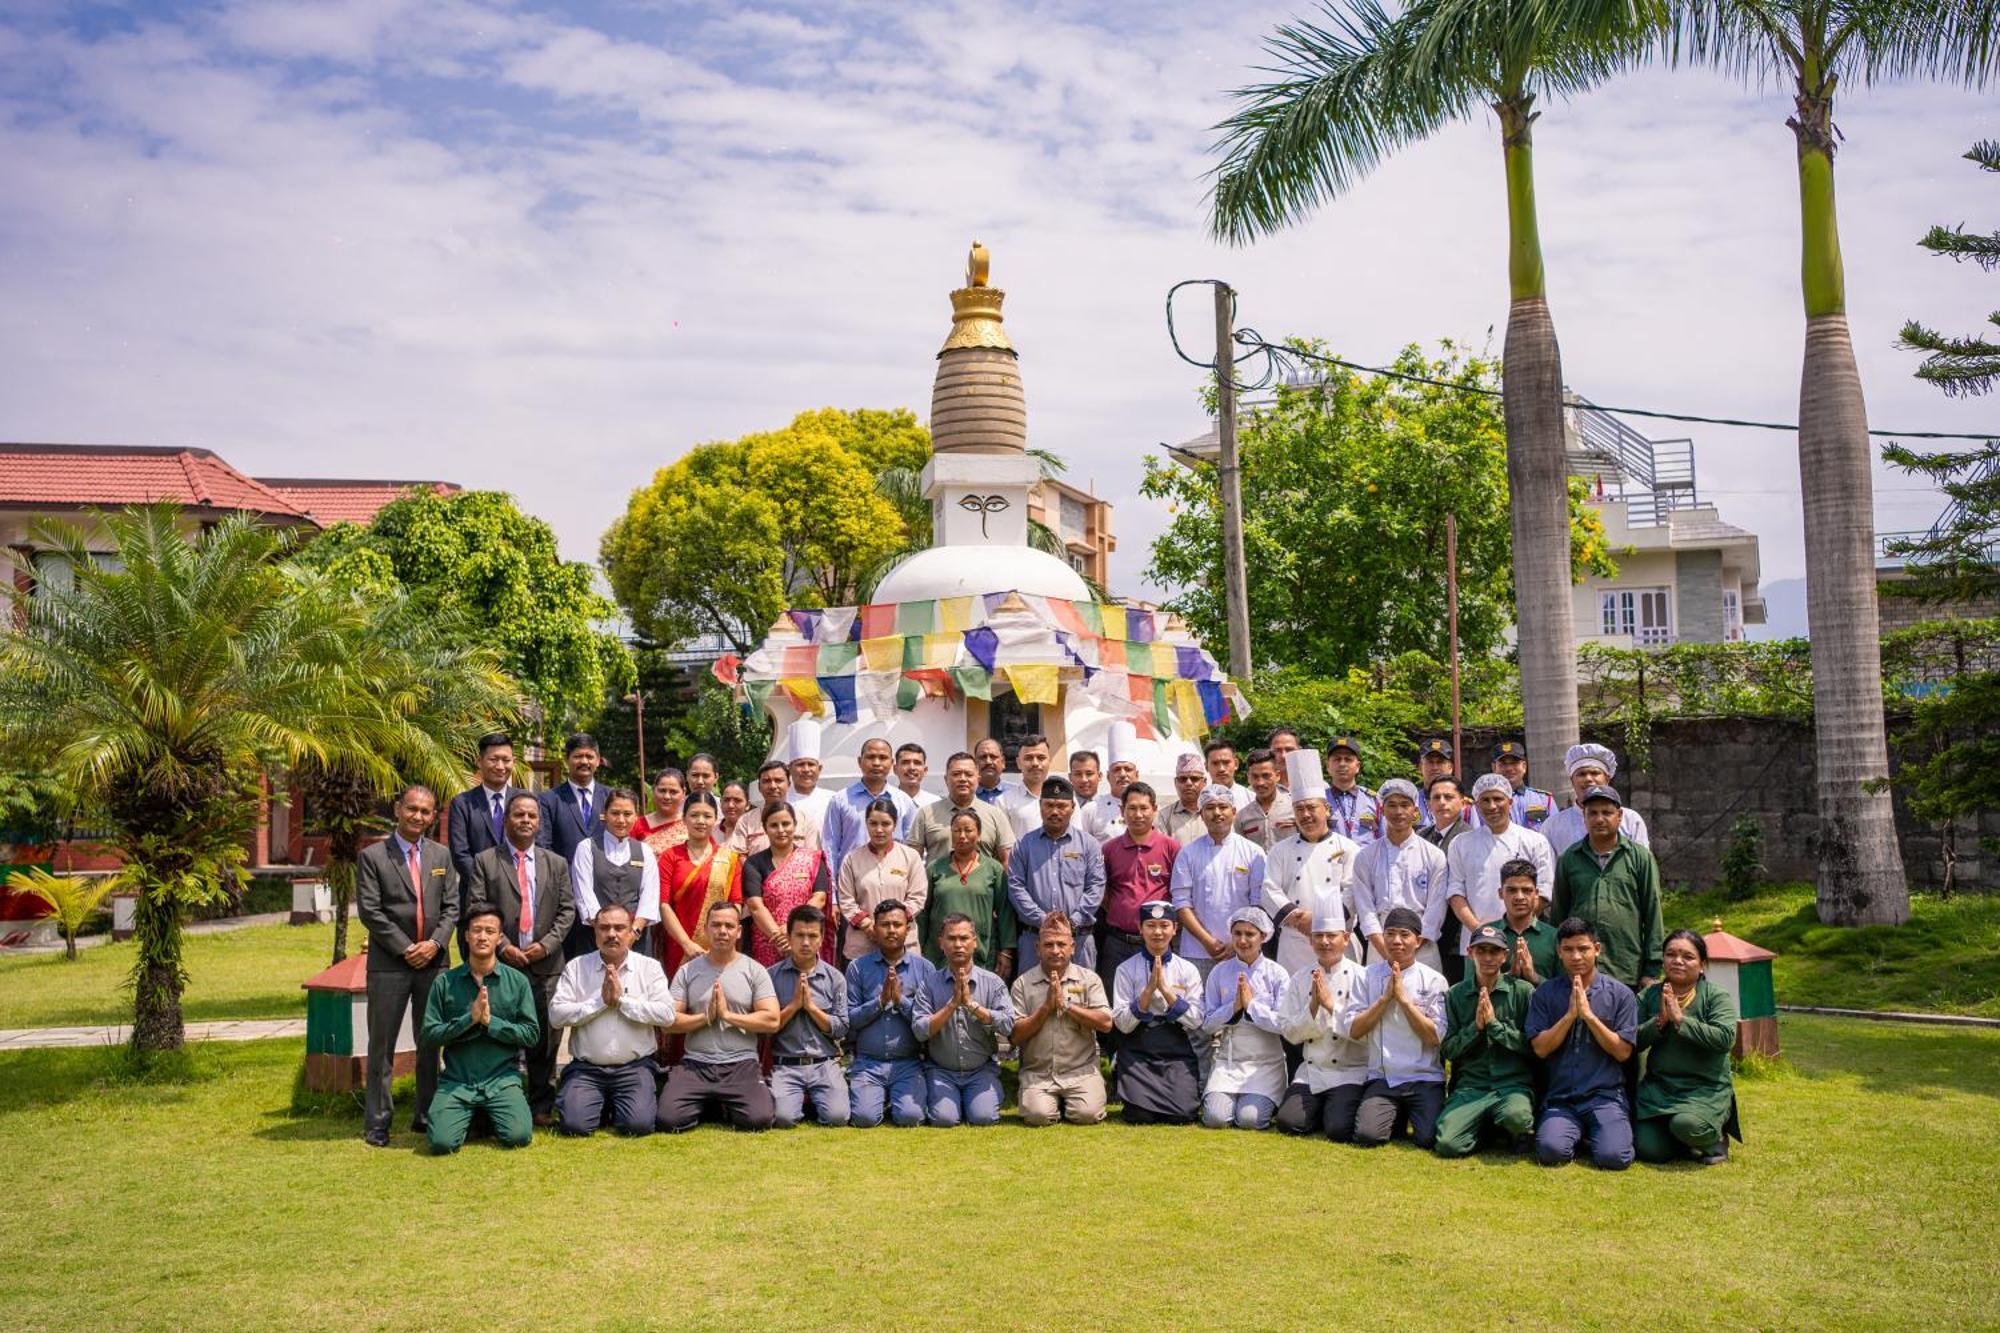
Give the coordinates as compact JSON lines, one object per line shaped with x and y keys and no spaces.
{"x":1275,"y":355}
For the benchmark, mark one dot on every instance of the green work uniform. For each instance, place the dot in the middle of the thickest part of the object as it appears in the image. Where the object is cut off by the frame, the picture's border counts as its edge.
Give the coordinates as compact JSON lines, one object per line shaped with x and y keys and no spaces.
{"x":480,"y":1061}
{"x":1621,"y":899}
{"x":1686,"y":1096}
{"x":1492,"y":1072}
{"x":981,"y":895}
{"x":1541,"y":938}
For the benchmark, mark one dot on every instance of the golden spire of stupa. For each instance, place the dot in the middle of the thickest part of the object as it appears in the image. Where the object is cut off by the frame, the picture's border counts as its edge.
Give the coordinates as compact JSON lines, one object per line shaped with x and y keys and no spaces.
{"x":977,"y":406}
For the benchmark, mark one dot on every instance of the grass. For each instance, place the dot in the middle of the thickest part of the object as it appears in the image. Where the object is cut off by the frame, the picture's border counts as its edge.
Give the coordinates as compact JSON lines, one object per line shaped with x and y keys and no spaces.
{"x":1862,"y":1198}
{"x":1946,"y":960}
{"x":250,"y":973}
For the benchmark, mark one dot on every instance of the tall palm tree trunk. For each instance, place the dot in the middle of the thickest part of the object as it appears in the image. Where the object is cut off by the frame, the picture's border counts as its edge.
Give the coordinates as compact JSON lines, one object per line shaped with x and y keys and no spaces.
{"x":157,"y":975}
{"x":1537,"y":466}
{"x":1861,"y":880}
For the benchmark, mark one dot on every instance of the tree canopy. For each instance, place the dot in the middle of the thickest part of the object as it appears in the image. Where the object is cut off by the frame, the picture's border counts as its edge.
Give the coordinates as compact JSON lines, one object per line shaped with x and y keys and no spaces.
{"x":726,"y":537}
{"x":1346,"y":485}
{"x":1968,"y":364}
{"x":477,"y":562}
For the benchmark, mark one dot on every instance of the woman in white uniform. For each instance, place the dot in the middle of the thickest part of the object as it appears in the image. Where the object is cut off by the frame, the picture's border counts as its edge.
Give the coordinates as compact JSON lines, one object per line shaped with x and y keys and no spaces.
{"x":1240,"y":1008}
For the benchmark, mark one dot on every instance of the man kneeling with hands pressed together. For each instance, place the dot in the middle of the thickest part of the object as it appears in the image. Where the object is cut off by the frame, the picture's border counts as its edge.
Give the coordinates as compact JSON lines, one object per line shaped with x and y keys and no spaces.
{"x":969,"y":1015}
{"x":1492,"y":1077}
{"x":1399,"y":1011}
{"x":481,"y":1015}
{"x":614,"y":1002}
{"x":1583,"y":1024}
{"x":1060,"y":1008}
{"x":724,"y":1002}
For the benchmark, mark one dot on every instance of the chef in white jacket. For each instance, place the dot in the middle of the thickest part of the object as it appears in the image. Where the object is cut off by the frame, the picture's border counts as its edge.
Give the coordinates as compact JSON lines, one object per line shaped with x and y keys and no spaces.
{"x":1400,"y":869}
{"x":1240,"y":1009}
{"x":1326,"y":1089}
{"x":1309,"y":876}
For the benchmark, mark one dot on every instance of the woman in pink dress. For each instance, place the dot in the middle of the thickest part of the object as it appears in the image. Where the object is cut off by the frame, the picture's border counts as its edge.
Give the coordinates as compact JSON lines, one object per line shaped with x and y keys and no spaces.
{"x":783,"y":876}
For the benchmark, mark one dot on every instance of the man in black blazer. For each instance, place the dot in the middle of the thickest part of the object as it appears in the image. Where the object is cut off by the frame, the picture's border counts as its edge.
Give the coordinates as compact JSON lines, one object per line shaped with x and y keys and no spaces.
{"x":478,"y":816}
{"x":533,"y":925}
{"x":407,"y":894}
{"x":571,"y":812}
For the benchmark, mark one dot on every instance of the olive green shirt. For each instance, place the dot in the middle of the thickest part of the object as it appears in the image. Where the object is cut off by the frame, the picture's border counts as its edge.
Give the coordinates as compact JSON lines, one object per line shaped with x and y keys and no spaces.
{"x":981,"y":895}
{"x":1495,"y":1058}
{"x":1541,"y":938}
{"x":1687,"y":1064}
{"x":472,"y":1053}
{"x":1621,"y":898}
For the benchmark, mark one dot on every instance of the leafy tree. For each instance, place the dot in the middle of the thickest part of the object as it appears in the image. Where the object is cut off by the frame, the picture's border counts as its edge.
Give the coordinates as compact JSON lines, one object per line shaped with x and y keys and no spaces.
{"x":1361,"y":84}
{"x":726,"y":537}
{"x":162,"y":691}
{"x":1970,"y":364}
{"x":475,"y":561}
{"x":687,"y":710}
{"x":1346,"y":486}
{"x":71,"y":899}
{"x":1816,"y":46}
{"x":450,"y":688}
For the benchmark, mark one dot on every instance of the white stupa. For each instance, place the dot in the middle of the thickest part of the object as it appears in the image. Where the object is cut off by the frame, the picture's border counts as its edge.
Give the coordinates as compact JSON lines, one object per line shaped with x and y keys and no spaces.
{"x":982,"y":634}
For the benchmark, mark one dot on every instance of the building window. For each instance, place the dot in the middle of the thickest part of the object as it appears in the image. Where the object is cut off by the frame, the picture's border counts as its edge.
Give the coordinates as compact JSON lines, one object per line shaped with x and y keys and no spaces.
{"x":1079,"y":562}
{"x":53,"y":572}
{"x":1074,"y":519}
{"x":1638,"y":614}
{"x":1732,"y":615}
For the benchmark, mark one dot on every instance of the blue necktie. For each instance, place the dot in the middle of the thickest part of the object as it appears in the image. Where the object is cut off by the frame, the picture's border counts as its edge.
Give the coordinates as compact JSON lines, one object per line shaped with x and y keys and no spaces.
{"x":499,"y":819}
{"x":582,"y":807}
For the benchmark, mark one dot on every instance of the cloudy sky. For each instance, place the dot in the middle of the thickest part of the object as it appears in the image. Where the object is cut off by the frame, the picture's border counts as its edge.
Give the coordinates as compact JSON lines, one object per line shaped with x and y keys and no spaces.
{"x":547,"y":248}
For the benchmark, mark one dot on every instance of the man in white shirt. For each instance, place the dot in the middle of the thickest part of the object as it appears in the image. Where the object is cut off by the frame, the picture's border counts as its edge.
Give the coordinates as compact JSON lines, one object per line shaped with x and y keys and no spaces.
{"x":1309,"y":876}
{"x":912,"y":764}
{"x":1399,"y":1011}
{"x":1023,"y":803}
{"x":1472,"y":866}
{"x":1325,"y":1093}
{"x":1219,"y":757}
{"x":1401,"y":869}
{"x":1215,"y":876}
{"x":613,"y":1001}
{"x":1588,"y":766}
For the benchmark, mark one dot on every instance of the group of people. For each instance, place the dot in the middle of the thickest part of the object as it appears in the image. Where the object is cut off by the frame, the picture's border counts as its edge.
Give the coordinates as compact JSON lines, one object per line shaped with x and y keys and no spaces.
{"x":1464,"y":966}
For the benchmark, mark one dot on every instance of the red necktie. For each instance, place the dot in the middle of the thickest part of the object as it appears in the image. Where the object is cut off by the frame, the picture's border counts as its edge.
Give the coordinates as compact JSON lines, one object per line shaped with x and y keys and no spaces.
{"x":527,"y":893}
{"x":417,"y":883}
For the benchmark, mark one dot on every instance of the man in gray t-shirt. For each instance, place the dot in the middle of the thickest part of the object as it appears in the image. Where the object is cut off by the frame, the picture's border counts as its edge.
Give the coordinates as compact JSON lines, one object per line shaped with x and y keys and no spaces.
{"x":723,"y":1002}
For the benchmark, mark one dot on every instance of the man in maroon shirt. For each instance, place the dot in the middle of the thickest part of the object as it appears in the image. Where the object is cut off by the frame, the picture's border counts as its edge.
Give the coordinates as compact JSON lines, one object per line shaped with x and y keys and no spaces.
{"x":1138,"y":867}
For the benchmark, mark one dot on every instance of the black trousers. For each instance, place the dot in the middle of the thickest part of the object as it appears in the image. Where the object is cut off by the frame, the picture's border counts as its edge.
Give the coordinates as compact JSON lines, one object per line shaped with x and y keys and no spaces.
{"x":628,"y":1091}
{"x":1331,"y":1113}
{"x":391,"y":992}
{"x":1385,"y":1110}
{"x":541,"y":1057}
{"x":733,"y":1090}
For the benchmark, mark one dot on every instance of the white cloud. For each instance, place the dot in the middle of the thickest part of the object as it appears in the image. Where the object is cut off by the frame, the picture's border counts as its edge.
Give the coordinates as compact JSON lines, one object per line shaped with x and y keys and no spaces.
{"x":498,"y":244}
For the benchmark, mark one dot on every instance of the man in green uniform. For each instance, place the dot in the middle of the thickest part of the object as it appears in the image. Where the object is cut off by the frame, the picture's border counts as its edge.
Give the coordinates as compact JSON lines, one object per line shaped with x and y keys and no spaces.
{"x":481,"y":1015}
{"x":1492,"y":1078}
{"x":1531,"y":941}
{"x":1614,"y":884}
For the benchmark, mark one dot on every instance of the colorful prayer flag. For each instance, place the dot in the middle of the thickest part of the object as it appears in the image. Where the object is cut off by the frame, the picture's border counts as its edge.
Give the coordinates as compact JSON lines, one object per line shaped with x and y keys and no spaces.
{"x":840,"y":689}
{"x":1140,"y":657}
{"x":837,"y":659}
{"x":727,"y":668}
{"x":1163,"y":717}
{"x":883,"y":654}
{"x":1188,"y":663}
{"x":954,"y":614}
{"x":878,"y":620}
{"x":1213,"y":706}
{"x":837,"y":624}
{"x":1139,"y":625}
{"x":806,"y":621}
{"x":981,"y":643}
{"x":974,"y":682}
{"x":801,"y":659}
{"x":916,"y":618}
{"x":1187,"y":710}
{"x":1033,"y":684}
{"x":805,"y":694}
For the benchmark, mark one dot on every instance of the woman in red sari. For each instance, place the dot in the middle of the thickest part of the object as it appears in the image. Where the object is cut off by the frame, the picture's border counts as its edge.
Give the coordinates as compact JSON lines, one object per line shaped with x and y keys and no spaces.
{"x":664,"y":827}
{"x":785,"y":875}
{"x":694,"y":873}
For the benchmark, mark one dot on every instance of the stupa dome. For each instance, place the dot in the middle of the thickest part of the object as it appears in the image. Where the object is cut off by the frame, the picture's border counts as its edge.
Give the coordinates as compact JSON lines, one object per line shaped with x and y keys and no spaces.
{"x":963,"y":571}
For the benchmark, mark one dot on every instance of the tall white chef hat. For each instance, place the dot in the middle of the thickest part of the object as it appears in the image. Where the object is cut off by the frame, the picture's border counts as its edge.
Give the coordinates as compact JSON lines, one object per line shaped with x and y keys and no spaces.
{"x":1304,"y":777}
{"x":1121,"y":744}
{"x":802,"y":740}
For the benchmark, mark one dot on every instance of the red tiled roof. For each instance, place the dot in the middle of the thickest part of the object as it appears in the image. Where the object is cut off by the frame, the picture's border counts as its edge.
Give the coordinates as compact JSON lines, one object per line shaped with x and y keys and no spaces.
{"x":112,"y":475}
{"x":330,"y":500}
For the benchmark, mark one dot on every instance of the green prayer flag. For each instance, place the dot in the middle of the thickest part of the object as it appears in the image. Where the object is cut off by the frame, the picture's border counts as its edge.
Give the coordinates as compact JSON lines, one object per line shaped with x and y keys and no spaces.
{"x":1163,"y":715}
{"x":975,"y":682}
{"x":837,"y":659}
{"x":1092,"y":617}
{"x":916,"y":618}
{"x":1139,"y":658}
{"x":907,"y":694}
{"x":758,"y":691}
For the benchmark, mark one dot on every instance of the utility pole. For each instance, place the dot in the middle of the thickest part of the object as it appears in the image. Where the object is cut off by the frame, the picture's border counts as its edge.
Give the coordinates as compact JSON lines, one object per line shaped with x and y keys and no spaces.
{"x":1451,"y":619}
{"x":1235,"y":578}
{"x":637,"y":699}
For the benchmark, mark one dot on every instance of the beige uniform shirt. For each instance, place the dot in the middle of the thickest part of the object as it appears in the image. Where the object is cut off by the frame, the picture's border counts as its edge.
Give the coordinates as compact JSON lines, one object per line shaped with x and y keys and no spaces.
{"x":931,"y":833}
{"x":1063,"y":1046}
{"x":866,"y":880}
{"x":1267,"y":828}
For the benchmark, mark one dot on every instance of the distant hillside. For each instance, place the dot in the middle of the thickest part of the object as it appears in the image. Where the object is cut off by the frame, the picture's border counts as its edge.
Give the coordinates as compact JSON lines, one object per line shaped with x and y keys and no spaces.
{"x":1784,"y":611}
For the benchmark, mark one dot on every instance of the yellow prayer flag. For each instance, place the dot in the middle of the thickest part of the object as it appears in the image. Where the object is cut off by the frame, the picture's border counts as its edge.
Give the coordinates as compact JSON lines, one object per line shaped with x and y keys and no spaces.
{"x":954,"y":614}
{"x":941,"y":650}
{"x":1037,"y":684}
{"x":883,"y":654}
{"x":805,"y":694}
{"x":1189,"y":719}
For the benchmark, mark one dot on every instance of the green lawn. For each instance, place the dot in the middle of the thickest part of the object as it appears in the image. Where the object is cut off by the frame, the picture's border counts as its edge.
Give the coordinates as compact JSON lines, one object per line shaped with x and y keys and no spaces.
{"x":250,"y":973}
{"x":1946,"y":960}
{"x":1864,"y":1198}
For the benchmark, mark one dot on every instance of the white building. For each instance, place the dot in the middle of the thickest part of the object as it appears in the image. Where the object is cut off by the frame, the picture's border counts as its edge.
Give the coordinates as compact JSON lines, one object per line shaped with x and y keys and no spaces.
{"x":1684,"y":575}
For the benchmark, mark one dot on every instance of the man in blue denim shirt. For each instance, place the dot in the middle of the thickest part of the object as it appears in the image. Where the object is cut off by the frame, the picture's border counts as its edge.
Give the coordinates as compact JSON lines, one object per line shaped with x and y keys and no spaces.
{"x":888,"y":996}
{"x":1582,"y":1024}
{"x":1056,"y":868}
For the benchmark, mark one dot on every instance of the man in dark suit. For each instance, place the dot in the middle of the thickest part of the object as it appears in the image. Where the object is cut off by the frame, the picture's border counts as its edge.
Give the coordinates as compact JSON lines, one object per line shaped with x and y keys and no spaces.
{"x":571,"y":812}
{"x":407,"y":895}
{"x":533,"y":924}
{"x":478,"y":816}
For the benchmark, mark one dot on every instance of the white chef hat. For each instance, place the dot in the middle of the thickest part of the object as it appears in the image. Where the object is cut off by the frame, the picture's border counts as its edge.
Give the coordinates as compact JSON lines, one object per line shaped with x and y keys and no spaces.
{"x":1121,"y":744}
{"x":1491,"y":782}
{"x":1252,"y":916}
{"x":1214,"y":792}
{"x":802,"y":740}
{"x":1329,"y":920}
{"x":1404,"y":788}
{"x":1593,"y":756}
{"x":1304,"y":777}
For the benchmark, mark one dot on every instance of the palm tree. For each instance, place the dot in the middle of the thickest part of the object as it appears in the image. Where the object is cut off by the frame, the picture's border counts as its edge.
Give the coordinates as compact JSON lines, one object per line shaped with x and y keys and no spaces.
{"x":1360,"y":84}
{"x":445,"y":689}
{"x":1815,"y":45}
{"x":160,"y":689}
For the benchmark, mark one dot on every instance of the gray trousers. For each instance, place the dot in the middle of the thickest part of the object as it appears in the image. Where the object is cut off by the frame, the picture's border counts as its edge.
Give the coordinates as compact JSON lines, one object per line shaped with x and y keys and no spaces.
{"x":820,"y":1087}
{"x":390,"y":993}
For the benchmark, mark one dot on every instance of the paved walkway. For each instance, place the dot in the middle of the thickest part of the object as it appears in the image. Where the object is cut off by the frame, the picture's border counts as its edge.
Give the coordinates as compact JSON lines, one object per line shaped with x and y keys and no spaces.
{"x":21,"y":1039}
{"x":219,"y":926}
